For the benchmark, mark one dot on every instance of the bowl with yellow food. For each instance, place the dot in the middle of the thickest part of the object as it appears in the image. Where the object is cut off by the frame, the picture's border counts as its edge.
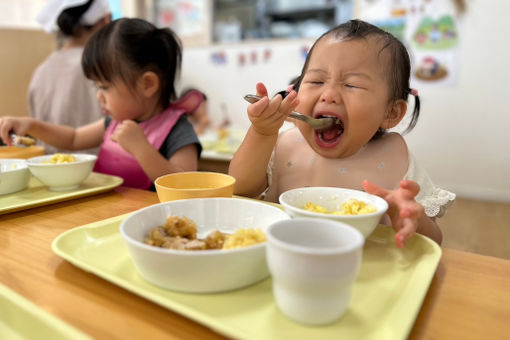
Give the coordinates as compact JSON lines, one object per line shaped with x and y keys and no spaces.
{"x":194,"y":184}
{"x":202,"y":245}
{"x":62,"y":171}
{"x":357,"y":208}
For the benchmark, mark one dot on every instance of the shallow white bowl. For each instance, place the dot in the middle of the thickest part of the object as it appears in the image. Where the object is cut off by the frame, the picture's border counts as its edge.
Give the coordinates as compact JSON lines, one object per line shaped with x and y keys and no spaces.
{"x":63,"y":176}
{"x":332,"y":198}
{"x":204,"y":271}
{"x":14,"y":175}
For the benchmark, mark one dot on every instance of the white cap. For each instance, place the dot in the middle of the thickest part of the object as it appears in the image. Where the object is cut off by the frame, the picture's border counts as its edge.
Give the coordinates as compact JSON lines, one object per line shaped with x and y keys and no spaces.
{"x":49,"y":14}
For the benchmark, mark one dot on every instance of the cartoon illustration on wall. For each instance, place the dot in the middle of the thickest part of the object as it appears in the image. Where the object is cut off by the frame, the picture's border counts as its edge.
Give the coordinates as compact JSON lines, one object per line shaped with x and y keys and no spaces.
{"x":435,"y":35}
{"x":430,"y":29}
{"x":430,"y":69}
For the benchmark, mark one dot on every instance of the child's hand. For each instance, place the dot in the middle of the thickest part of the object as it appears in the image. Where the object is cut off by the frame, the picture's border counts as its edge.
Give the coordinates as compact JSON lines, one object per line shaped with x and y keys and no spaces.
{"x":403,"y":210}
{"x":17,"y":125}
{"x":267,"y":116}
{"x":130,"y":136}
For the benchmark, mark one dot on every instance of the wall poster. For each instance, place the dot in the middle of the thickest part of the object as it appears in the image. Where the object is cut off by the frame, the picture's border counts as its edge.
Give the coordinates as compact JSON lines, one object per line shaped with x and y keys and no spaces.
{"x":190,"y":19}
{"x":430,"y":29}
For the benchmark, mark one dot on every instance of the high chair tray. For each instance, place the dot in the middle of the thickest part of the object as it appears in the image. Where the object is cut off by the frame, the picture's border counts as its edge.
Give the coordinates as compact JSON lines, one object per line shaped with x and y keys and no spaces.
{"x":386,"y":296}
{"x":21,"y":319}
{"x":37,"y":194}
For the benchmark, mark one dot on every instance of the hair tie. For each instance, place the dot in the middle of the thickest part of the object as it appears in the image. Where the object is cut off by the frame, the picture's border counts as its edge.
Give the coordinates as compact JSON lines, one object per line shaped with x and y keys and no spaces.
{"x":414,"y":92}
{"x":289,"y":88}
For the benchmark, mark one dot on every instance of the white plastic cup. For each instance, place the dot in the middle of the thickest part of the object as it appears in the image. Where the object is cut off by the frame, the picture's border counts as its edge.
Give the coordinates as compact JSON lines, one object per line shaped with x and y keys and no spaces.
{"x":313,"y":263}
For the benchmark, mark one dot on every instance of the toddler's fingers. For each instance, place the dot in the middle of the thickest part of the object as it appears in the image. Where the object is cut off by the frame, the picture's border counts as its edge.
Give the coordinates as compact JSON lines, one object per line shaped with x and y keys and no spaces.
{"x":289,"y":103}
{"x":413,"y":210}
{"x":405,"y":233}
{"x":256,"y":109}
{"x":373,"y":189}
{"x":5,"y":133}
{"x":261,"y":90}
{"x":411,"y":188}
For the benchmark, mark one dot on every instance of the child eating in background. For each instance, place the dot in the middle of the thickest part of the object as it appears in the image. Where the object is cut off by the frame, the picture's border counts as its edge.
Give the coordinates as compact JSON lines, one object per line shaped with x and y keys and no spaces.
{"x":143,"y":135}
{"x":358,"y":74}
{"x":199,"y":116}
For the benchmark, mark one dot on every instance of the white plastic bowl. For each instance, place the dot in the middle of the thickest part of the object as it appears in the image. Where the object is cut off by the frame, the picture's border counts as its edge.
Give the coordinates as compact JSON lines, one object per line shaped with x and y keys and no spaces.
{"x":62,"y":176}
{"x":203,"y":271}
{"x":14,"y":175}
{"x":332,"y":198}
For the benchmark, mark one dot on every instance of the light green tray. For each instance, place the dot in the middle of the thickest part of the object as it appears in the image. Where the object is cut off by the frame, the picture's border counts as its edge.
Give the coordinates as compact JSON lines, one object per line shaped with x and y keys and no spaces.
{"x":386,"y":296}
{"x":21,"y":319}
{"x":37,"y":194}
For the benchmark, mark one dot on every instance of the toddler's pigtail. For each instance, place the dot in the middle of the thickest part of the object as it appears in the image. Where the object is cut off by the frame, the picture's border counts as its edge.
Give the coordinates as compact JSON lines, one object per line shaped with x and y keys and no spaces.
{"x":416,"y":110}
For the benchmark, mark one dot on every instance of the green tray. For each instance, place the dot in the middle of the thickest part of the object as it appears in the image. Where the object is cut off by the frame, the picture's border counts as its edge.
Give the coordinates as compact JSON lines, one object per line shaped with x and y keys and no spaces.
{"x":21,"y":319}
{"x":37,"y":194}
{"x":386,"y":296}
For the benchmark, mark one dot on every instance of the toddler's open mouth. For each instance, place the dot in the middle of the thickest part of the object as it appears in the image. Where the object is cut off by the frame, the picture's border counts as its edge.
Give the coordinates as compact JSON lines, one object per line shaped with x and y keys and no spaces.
{"x":332,"y":134}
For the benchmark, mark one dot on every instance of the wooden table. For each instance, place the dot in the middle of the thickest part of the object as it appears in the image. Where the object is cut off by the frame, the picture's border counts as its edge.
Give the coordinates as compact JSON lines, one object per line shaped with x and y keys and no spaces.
{"x":469,"y":297}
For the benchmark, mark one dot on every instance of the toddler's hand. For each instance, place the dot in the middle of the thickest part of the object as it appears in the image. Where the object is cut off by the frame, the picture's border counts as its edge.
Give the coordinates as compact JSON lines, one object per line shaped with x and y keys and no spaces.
{"x":130,"y":136}
{"x":403,"y":210}
{"x":267,"y":116}
{"x":17,"y":125}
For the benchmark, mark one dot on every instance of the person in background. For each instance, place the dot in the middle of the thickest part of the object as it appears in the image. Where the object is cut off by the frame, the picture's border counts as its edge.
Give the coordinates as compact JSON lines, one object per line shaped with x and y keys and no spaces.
{"x":359,"y":74}
{"x":196,"y":101}
{"x":143,"y":134}
{"x":59,"y":92}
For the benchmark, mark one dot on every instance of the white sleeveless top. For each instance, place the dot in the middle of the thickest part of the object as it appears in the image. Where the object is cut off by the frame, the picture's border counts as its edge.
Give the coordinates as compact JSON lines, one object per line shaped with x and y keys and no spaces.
{"x":295,"y":164}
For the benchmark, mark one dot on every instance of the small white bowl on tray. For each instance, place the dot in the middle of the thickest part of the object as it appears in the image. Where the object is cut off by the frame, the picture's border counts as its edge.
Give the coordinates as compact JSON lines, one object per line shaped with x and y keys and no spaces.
{"x":201,"y":271}
{"x":62,"y":176}
{"x":332,"y":198}
{"x":14,"y":175}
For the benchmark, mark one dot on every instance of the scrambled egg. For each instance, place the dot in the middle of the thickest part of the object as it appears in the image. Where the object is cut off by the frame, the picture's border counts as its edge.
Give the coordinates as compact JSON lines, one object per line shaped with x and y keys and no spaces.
{"x":244,"y":238}
{"x":351,"y":207}
{"x":59,"y":158}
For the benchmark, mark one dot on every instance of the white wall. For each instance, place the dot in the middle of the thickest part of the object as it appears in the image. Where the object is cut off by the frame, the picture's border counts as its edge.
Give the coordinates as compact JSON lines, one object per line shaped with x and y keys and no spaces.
{"x":463,"y":135}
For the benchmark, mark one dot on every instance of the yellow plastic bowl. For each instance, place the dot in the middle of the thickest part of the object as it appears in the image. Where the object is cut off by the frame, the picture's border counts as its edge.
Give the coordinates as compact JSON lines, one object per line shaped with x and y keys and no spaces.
{"x":195,"y":184}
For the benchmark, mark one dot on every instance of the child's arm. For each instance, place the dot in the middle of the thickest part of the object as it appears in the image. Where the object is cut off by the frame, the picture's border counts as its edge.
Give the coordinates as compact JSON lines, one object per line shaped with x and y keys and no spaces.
{"x":249,"y":163}
{"x":131,"y":138}
{"x":59,"y":136}
{"x":407,"y":216}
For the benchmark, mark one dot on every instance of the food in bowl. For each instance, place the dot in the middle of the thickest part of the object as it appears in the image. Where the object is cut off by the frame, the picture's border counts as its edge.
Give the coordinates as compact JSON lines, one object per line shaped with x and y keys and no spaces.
{"x":331,"y":199}
{"x":184,"y":271}
{"x":62,"y":176}
{"x":181,"y":233}
{"x":244,"y":237}
{"x":351,"y":207}
{"x":194,"y":184}
{"x":14,"y":175}
{"x":60,"y":158}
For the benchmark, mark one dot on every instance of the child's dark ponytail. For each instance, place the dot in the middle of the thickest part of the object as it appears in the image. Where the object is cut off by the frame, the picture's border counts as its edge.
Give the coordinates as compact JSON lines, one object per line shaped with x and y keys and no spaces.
{"x":170,"y":61}
{"x":416,"y":111}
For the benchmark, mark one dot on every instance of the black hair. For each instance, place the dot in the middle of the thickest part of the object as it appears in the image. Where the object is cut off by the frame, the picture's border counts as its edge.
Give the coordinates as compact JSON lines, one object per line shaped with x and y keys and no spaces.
{"x":126,"y":48}
{"x":399,"y":69}
{"x":69,"y":20}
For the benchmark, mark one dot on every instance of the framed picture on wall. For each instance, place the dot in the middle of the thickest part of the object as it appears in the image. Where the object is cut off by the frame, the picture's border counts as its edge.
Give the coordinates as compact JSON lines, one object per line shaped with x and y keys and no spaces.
{"x":190,"y":19}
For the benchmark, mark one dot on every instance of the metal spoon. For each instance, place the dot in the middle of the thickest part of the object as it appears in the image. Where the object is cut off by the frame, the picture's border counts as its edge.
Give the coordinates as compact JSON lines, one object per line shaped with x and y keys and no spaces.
{"x":315,"y":123}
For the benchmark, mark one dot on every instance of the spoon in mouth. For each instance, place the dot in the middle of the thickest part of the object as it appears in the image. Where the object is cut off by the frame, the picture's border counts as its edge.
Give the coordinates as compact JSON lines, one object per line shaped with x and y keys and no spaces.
{"x":315,"y":123}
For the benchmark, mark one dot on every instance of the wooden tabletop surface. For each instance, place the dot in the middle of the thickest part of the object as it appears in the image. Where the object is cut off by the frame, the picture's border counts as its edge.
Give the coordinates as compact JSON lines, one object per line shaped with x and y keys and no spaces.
{"x":469,"y":296}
